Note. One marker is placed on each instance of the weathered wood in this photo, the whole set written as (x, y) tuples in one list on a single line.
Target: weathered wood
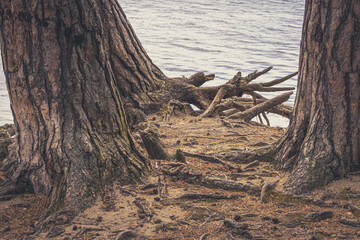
[(239, 85), (219, 96), (198, 79), (236, 104), (248, 114)]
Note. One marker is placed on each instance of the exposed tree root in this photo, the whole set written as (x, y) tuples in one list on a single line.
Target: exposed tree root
[(209, 159), (265, 154), (192, 176), (194, 196)]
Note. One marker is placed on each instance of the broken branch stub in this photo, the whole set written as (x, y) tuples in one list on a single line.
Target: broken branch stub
[(153, 145)]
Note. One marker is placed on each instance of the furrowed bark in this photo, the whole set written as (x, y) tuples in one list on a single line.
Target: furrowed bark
[(323, 142), (71, 131)]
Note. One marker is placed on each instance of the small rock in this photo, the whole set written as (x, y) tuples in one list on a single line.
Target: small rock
[(238, 218), (6, 229), (231, 224), (126, 235), (266, 218), (62, 219), (275, 221), (179, 156), (191, 143), (354, 209), (154, 191), (274, 228), (75, 228), (157, 199), (157, 221), (55, 231), (319, 216), (328, 196), (99, 219), (142, 216)]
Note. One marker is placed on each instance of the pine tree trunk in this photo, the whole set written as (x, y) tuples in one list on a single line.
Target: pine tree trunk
[(323, 140), (63, 70)]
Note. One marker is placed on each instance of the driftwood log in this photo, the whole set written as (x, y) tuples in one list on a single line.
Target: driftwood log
[(228, 99)]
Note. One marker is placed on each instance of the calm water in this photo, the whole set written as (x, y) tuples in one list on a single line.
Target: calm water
[(214, 36)]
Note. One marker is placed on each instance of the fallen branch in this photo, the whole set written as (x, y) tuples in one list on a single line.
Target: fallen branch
[(256, 110), (219, 96), (280, 80), (233, 105)]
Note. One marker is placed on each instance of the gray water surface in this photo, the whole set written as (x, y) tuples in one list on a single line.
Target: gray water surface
[(214, 36)]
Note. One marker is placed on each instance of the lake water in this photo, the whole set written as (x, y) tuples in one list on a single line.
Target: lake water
[(214, 36)]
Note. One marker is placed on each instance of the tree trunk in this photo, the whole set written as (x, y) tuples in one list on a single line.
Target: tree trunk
[(323, 140), (69, 65), (63, 68)]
